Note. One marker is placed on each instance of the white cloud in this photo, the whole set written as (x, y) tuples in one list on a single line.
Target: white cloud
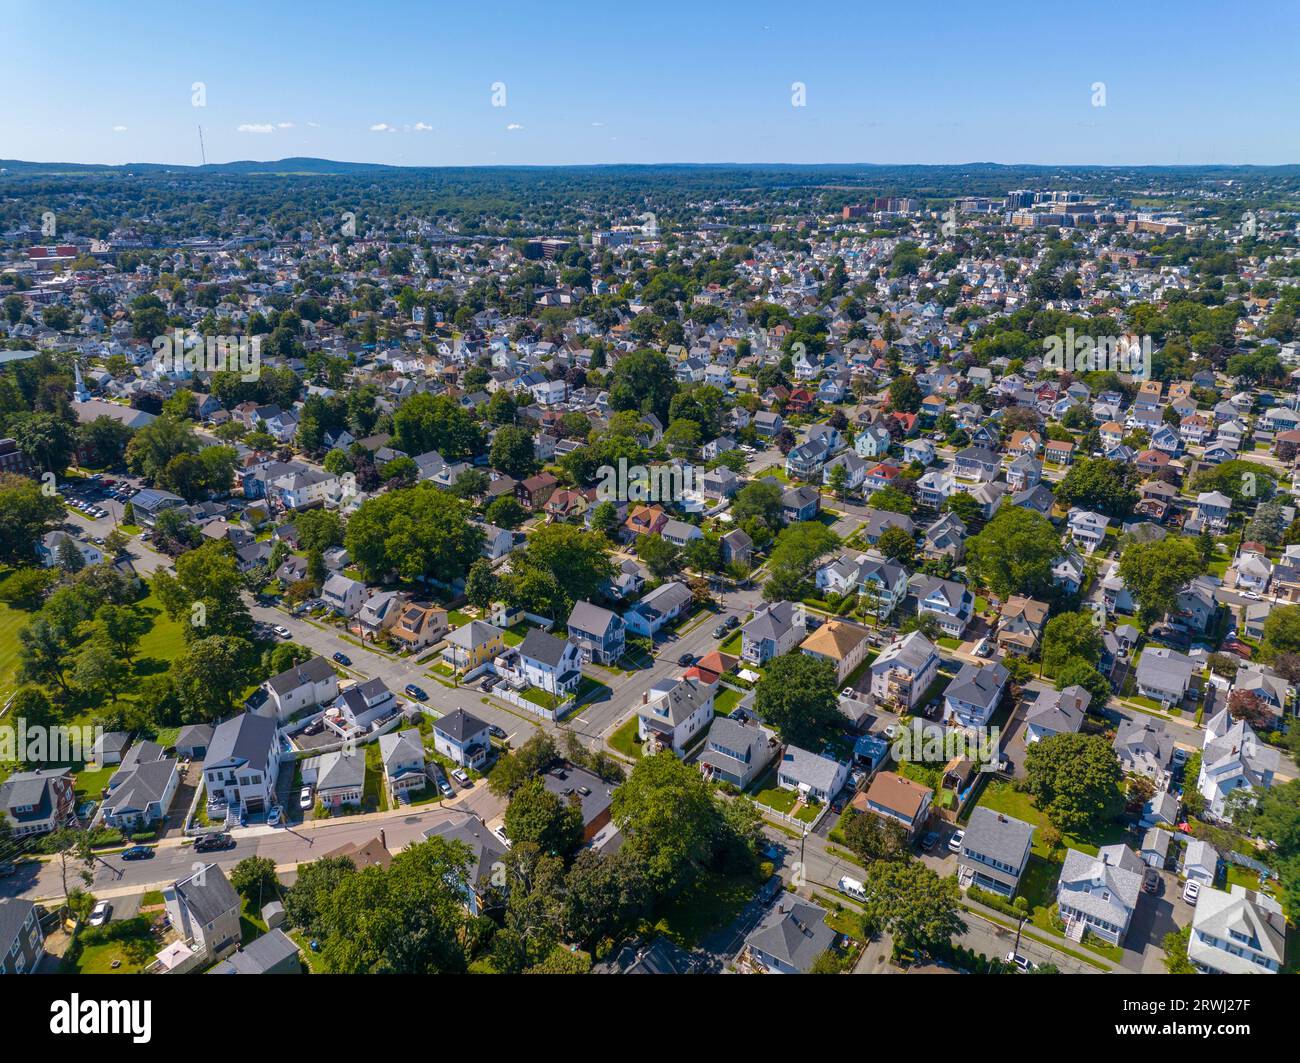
[(313, 125), (382, 127), (256, 127), (597, 124), (513, 126), (284, 125), (119, 129), (422, 127)]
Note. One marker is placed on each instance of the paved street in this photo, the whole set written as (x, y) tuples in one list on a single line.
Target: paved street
[(286, 846)]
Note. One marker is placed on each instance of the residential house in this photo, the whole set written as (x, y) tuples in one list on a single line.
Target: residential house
[(659, 608), (1144, 747), (22, 943), (737, 752), (811, 775), (949, 602), (898, 798), (674, 711), (789, 938), (972, 697), (994, 851), (36, 802), (344, 595), (473, 645), (402, 756), (487, 854), (1098, 894), (304, 686), (204, 911), (543, 661), (841, 643), (1020, 625), (1164, 674), (598, 633), (904, 671), (1238, 931), (1056, 712), (1233, 758), (418, 626), (339, 778), (772, 631), (462, 738), (242, 765)]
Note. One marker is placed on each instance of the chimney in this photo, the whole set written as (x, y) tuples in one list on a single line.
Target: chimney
[(645, 698)]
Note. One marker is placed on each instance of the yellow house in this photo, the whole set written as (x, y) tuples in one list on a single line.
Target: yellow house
[(844, 645), (473, 645)]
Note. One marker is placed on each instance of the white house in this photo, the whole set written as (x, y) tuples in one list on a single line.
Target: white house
[(1237, 932), (463, 738), (304, 686), (811, 774), (1233, 758), (1098, 894), (242, 765), (344, 595), (904, 671), (674, 711)]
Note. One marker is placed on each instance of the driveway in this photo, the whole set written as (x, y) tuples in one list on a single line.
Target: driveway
[(1155, 916)]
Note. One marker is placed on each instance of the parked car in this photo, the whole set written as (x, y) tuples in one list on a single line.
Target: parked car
[(276, 817), (304, 798), (1191, 891), (488, 683), (1151, 881), (99, 915), (497, 732), (461, 777), (848, 692), (686, 660), (343, 659), (137, 852), (720, 631), (412, 691), (445, 787), (282, 631), (929, 840), (851, 887), (955, 839), (213, 843), (1020, 961)]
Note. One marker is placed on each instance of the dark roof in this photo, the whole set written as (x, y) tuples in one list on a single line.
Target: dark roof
[(538, 645), (13, 914), (246, 738), (208, 894), (268, 953), (459, 725)]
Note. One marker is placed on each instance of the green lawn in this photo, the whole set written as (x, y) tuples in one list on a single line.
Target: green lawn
[(774, 796), (732, 643), (624, 739), (1002, 797), (726, 700), (11, 620), (90, 784), (129, 942)]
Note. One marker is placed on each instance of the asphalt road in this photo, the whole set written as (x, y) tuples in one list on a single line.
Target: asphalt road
[(114, 877)]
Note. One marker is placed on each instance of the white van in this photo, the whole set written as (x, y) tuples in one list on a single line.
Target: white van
[(851, 887)]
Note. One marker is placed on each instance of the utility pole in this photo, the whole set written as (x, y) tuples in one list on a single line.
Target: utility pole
[(202, 151)]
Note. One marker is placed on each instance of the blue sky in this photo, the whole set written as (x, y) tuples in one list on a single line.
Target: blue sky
[(708, 81)]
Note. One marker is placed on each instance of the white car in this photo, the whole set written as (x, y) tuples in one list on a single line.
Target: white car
[(848, 692), (955, 839), (304, 798), (282, 631), (99, 914), (1191, 891), (1019, 961), (1252, 595), (460, 776)]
